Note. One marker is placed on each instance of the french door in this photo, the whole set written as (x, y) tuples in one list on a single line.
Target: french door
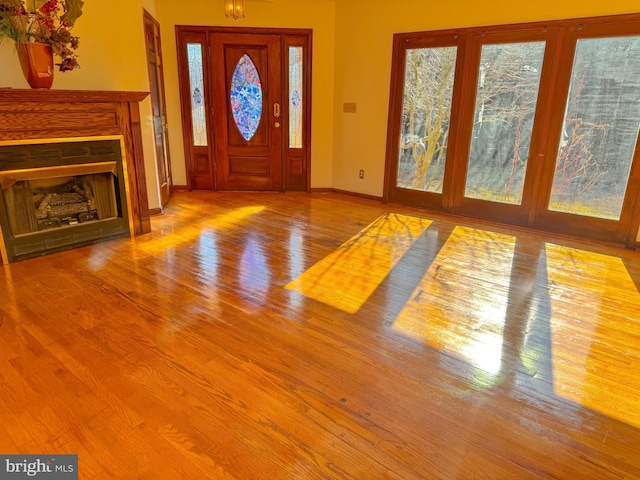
[(500, 139), (246, 107), (533, 125), (592, 159)]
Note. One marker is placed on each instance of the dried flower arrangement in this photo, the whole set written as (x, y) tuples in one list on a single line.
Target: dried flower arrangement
[(43, 21)]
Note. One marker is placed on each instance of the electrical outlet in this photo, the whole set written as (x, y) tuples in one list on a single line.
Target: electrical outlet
[(361, 174)]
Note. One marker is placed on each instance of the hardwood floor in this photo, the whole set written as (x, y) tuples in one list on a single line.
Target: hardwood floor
[(294, 336)]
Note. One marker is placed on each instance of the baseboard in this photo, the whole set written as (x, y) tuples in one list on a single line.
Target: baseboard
[(356, 194), (346, 192), (155, 211), (183, 188)]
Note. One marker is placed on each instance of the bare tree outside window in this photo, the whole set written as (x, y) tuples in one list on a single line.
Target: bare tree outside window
[(506, 98), (426, 112), (530, 124), (505, 106), (600, 129)]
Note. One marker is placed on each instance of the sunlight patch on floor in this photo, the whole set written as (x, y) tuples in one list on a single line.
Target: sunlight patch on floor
[(596, 350), (346, 278), (185, 234), (461, 302)]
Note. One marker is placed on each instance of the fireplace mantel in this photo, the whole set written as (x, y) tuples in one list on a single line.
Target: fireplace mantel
[(57, 114)]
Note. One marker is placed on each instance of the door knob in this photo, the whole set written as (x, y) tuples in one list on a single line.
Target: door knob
[(277, 124)]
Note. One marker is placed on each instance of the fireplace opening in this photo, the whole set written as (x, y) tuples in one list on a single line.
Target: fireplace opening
[(68, 203), (56, 202), (64, 195)]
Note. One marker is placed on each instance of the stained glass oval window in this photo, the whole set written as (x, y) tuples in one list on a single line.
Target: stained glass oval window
[(246, 97)]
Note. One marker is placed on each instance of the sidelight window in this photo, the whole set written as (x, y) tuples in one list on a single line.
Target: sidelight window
[(295, 96), (196, 80)]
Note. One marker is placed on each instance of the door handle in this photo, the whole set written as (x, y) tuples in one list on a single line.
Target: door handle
[(276, 110)]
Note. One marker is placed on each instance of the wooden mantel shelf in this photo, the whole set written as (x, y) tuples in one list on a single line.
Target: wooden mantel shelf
[(27, 114), (65, 96)]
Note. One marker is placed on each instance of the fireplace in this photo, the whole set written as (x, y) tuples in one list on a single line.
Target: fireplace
[(58, 195), (72, 169)]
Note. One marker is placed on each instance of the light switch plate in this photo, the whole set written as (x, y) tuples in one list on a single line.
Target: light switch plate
[(349, 107)]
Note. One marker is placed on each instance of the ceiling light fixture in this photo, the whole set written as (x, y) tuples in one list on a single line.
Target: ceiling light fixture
[(234, 9)]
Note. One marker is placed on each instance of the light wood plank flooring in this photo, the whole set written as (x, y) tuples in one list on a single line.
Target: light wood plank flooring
[(294, 336)]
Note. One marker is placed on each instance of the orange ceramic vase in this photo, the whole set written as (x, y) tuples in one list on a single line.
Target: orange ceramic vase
[(36, 60)]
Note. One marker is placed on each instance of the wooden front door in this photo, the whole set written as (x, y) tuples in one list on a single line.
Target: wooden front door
[(247, 120), (158, 104)]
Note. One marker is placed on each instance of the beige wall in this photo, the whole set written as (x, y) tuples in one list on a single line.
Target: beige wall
[(150, 6), (316, 14), (364, 31), (112, 57)]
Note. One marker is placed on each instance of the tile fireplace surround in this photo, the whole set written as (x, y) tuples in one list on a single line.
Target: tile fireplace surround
[(69, 118)]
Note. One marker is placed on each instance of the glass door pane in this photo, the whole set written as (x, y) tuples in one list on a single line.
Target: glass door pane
[(295, 96), (196, 83), (600, 129), (426, 113), (246, 97), (505, 106)]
